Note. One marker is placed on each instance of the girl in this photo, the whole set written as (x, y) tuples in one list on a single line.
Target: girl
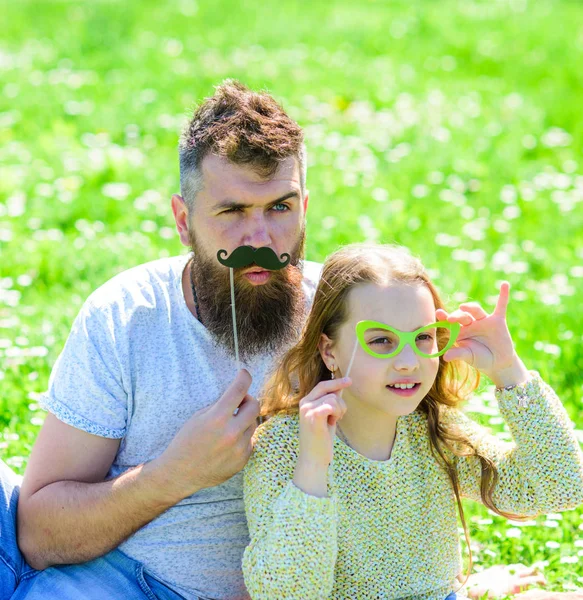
[(355, 496)]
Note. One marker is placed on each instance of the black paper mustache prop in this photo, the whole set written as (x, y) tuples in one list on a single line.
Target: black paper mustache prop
[(244, 256)]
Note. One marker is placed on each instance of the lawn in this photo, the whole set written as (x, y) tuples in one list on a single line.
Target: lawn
[(451, 127)]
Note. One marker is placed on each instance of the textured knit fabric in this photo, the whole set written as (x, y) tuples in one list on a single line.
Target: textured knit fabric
[(388, 529), (136, 366)]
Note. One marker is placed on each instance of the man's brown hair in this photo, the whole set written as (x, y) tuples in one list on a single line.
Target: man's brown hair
[(246, 128)]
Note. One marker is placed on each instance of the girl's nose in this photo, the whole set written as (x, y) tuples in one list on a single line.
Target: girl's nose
[(406, 360)]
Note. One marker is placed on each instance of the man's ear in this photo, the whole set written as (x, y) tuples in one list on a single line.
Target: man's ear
[(306, 198), (325, 346), (180, 211)]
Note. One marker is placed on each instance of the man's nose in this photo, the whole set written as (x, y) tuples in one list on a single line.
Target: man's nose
[(406, 360), (257, 234)]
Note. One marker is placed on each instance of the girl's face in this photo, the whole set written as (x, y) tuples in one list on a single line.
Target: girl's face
[(404, 307)]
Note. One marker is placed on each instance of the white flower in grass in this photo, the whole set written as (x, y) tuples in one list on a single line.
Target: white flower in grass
[(513, 532), (511, 212), (435, 177), (508, 194), (553, 350), (420, 191), (556, 137), (117, 191), (522, 523), (444, 239), (501, 226), (551, 524), (380, 195)]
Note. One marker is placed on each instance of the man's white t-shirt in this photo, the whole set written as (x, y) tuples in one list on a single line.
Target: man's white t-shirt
[(135, 367)]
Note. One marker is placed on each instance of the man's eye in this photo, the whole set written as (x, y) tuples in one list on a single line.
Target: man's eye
[(234, 210)]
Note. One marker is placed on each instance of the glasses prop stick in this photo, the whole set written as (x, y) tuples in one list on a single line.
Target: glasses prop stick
[(350, 363), (245, 256)]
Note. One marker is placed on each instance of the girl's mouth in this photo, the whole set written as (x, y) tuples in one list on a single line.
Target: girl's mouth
[(404, 392)]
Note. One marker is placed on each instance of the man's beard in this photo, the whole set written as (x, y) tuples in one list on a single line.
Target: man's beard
[(269, 316)]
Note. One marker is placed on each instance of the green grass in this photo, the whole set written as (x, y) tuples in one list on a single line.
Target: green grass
[(450, 127)]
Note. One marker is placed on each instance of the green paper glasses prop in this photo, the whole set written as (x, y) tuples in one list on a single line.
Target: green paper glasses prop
[(242, 257), (387, 341)]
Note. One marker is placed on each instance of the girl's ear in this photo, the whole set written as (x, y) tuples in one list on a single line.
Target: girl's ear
[(325, 346)]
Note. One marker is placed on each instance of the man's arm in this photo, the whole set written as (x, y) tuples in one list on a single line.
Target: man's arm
[(67, 514)]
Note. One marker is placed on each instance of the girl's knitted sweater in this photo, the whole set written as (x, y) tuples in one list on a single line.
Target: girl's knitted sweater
[(388, 529)]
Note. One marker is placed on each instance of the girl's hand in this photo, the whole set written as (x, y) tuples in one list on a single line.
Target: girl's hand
[(484, 341), (319, 412)]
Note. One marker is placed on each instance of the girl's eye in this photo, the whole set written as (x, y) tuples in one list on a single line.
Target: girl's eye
[(423, 337), (387, 342), (425, 341)]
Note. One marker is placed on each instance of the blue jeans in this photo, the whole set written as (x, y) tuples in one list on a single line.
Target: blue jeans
[(13, 567), (112, 576)]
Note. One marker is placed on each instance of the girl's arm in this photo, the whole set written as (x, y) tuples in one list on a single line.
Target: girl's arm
[(293, 534), (542, 470)]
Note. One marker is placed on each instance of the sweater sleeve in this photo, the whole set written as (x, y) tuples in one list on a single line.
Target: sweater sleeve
[(541, 471), (293, 544)]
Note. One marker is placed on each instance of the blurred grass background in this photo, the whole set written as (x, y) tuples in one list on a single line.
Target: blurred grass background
[(452, 127)]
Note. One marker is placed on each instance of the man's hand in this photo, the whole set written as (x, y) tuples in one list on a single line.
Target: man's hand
[(214, 443), (502, 580), (539, 594), (68, 514)]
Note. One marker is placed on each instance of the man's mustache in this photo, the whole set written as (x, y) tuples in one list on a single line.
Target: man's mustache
[(243, 256)]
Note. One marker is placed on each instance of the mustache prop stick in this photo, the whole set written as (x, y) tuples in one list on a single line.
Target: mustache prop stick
[(242, 257)]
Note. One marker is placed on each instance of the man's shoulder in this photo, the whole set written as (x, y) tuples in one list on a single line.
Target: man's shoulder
[(312, 271), (143, 285)]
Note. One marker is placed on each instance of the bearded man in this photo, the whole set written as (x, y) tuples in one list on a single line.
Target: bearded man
[(133, 488)]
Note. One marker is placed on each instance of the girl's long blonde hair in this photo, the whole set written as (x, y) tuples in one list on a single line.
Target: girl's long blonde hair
[(302, 366)]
